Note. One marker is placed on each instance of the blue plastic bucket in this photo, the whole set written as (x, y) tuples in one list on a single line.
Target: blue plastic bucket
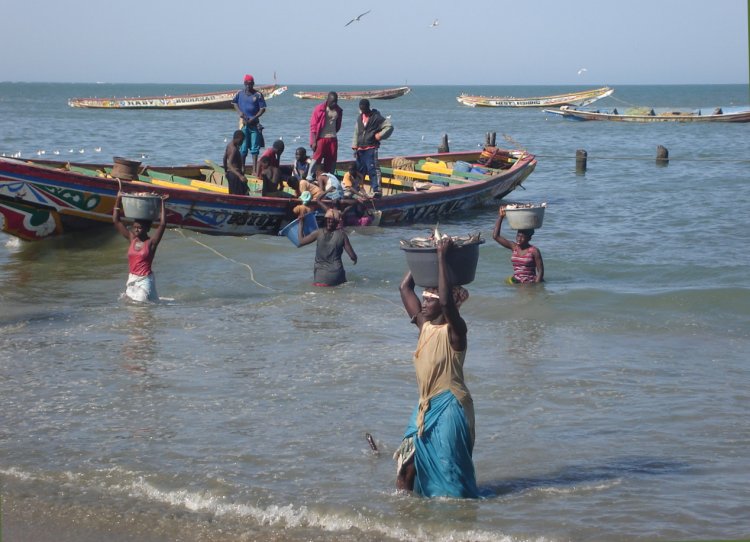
[(461, 167), (291, 230)]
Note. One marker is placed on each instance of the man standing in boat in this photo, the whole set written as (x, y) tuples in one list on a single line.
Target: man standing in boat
[(371, 128), (251, 105), (325, 122), (234, 165)]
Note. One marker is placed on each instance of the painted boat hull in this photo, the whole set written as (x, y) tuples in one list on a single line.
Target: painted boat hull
[(43, 198), (580, 98), (670, 116), (209, 100), (384, 94)]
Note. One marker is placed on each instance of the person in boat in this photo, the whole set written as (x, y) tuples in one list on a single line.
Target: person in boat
[(353, 183), (331, 243), (302, 164), (272, 182), (304, 207), (370, 129), (331, 186), (435, 455), (272, 158), (325, 122), (251, 105), (141, 285), (528, 266), (234, 165)]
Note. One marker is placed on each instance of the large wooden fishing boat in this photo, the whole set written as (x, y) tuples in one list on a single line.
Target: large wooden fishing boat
[(646, 114), (581, 98), (208, 100), (39, 199), (378, 94)]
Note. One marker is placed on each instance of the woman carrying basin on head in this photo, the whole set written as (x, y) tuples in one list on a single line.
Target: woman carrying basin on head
[(141, 285)]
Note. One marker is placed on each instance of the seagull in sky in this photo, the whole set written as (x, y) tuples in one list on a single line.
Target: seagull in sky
[(434, 23), (582, 70), (358, 17)]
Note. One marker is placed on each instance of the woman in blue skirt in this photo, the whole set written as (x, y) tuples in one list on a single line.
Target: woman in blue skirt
[(434, 458)]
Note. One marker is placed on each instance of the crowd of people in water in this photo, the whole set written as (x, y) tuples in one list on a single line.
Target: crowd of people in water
[(435, 455)]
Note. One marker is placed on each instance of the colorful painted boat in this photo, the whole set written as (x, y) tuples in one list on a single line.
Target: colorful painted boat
[(208, 100), (378, 94), (644, 114), (580, 98), (39, 199)]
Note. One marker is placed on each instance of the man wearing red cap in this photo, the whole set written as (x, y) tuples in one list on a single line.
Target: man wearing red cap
[(251, 105)]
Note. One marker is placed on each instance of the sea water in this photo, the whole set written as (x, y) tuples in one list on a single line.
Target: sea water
[(611, 402)]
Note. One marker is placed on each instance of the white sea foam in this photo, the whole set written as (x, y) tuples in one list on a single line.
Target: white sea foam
[(293, 516)]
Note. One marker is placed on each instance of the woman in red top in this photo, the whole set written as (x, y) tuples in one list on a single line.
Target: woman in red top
[(526, 258), (141, 285)]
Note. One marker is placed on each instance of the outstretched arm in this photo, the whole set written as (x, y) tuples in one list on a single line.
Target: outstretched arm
[(119, 226), (456, 325), (410, 300), (159, 233), (496, 233), (305, 239)]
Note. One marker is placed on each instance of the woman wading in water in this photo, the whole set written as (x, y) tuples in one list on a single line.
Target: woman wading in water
[(141, 285), (435, 456)]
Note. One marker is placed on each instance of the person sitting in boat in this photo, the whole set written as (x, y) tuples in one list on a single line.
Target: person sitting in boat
[(271, 179), (353, 183), (332, 241), (301, 166), (330, 185), (141, 285), (526, 259), (234, 165)]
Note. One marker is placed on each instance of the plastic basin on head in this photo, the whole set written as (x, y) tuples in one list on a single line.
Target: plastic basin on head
[(525, 219), (462, 264), (141, 207)]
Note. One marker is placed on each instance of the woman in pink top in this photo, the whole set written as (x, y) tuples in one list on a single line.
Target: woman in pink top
[(526, 258), (141, 285)]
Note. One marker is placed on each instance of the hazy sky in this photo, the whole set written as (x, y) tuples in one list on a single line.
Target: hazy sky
[(492, 42)]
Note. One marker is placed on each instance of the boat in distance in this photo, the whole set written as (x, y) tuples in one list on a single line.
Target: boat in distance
[(377, 94), (645, 114), (207, 100), (40, 198), (580, 98)]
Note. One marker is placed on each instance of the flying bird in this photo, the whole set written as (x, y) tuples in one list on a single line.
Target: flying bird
[(582, 70), (434, 23), (358, 17)]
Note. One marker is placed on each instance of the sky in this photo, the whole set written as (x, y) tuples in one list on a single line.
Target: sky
[(482, 42)]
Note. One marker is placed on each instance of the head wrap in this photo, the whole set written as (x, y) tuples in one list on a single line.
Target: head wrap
[(249, 79), (460, 294), (334, 214)]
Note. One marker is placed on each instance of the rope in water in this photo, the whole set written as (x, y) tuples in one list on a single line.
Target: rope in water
[(252, 273)]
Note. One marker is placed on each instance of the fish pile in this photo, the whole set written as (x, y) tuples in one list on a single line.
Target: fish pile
[(431, 241)]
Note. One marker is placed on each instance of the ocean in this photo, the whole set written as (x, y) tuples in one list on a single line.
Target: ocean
[(611, 401)]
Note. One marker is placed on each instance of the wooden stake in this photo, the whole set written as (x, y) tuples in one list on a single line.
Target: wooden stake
[(662, 156), (581, 157)]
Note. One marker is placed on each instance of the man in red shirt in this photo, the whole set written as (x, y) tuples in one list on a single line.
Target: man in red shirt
[(325, 122)]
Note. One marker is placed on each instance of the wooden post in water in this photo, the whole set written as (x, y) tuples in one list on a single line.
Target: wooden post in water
[(662, 156), (489, 137), (581, 157), (444, 144)]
